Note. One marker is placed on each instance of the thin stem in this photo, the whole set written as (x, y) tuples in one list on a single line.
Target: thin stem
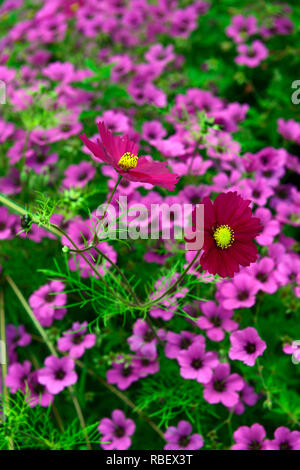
[(30, 313), (116, 392), (51, 349), (124, 398), (59, 232), (111, 196), (95, 240), (23, 160), (121, 274), (4, 364), (91, 266), (152, 328), (21, 211), (53, 406), (173, 286), (80, 416)]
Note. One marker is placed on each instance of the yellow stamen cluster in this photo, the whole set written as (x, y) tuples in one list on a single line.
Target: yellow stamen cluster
[(128, 161), (74, 7), (224, 236)]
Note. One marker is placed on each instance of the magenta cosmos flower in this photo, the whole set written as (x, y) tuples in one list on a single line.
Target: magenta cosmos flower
[(229, 230), (252, 438), (116, 431), (76, 341), (246, 346), (196, 363), (57, 374), (284, 440), (181, 437), (223, 387), (121, 153)]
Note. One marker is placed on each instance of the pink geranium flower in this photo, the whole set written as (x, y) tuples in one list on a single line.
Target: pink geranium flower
[(250, 438), (246, 346), (57, 374), (116, 432), (181, 437)]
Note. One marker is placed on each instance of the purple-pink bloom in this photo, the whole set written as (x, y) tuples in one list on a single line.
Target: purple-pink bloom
[(263, 272), (57, 374), (37, 394), (215, 321), (143, 336), (181, 437), (47, 302), (250, 438), (75, 341), (284, 439), (252, 55), (78, 175), (223, 387), (246, 396), (241, 27), (116, 431), (239, 292), (195, 363), (17, 336), (17, 376), (271, 227), (246, 346), (122, 373), (178, 342)]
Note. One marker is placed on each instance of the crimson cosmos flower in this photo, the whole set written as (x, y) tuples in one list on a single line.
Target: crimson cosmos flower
[(121, 154), (229, 230)]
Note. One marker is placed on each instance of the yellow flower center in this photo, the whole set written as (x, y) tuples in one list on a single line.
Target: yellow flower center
[(74, 7), (128, 161), (224, 236)]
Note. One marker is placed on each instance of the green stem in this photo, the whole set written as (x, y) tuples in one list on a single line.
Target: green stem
[(121, 274), (111, 196), (51, 349), (173, 287), (21, 211), (59, 232), (92, 267), (124, 398), (4, 364), (27, 308)]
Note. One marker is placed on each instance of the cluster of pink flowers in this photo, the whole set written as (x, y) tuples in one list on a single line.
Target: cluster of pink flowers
[(242, 28), (40, 385), (254, 438)]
